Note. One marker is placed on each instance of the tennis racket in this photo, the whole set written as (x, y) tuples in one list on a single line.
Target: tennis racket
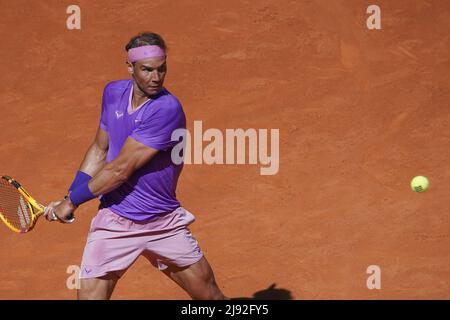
[(18, 210)]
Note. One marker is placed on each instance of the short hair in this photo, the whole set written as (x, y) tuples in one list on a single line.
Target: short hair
[(146, 39)]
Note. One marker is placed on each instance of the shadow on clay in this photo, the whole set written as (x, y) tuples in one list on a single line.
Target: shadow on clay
[(271, 293)]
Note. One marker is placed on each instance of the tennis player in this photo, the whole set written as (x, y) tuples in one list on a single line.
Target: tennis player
[(129, 166)]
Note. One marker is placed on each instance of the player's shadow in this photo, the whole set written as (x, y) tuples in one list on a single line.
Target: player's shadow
[(271, 293)]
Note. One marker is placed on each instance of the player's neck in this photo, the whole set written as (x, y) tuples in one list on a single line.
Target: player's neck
[(137, 101), (138, 98)]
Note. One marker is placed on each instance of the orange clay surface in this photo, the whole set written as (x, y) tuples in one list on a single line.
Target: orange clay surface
[(360, 112)]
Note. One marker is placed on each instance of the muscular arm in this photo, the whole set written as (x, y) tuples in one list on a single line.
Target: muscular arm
[(155, 130), (94, 160), (132, 157)]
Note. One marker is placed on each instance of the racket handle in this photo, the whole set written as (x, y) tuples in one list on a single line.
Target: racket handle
[(70, 217)]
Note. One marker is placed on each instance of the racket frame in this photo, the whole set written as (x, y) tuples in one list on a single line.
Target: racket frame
[(35, 207)]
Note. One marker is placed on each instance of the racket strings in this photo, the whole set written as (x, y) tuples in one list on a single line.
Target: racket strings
[(14, 207)]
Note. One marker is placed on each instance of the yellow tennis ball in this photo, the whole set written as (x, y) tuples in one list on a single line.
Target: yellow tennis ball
[(420, 184)]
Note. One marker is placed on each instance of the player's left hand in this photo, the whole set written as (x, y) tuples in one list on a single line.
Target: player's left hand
[(48, 212), (63, 211)]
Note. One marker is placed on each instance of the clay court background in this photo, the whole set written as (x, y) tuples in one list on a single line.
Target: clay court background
[(360, 113)]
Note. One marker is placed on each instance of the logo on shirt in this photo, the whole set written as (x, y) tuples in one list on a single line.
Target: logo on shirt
[(119, 114)]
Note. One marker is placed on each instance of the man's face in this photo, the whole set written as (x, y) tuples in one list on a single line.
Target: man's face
[(149, 75)]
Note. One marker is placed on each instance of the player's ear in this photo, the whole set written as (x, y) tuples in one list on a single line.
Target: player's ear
[(130, 67)]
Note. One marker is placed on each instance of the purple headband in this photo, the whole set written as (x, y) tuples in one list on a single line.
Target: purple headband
[(145, 52)]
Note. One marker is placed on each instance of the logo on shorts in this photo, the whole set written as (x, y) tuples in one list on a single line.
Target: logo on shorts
[(119, 114), (87, 270)]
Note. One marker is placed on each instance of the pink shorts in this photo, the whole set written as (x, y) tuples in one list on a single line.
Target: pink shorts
[(115, 242)]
